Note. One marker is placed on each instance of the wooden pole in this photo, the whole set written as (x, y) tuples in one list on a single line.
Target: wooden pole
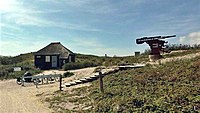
[(36, 82), (42, 80), (22, 81), (47, 80), (60, 82), (101, 82)]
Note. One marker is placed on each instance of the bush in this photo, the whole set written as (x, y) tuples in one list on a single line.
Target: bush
[(183, 46), (7, 71), (78, 65), (68, 74)]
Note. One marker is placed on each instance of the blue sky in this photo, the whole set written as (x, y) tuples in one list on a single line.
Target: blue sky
[(95, 26)]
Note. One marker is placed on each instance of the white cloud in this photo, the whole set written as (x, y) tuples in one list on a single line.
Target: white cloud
[(15, 13), (9, 26), (87, 42), (192, 38), (19, 45), (89, 6), (7, 6), (72, 26), (18, 6)]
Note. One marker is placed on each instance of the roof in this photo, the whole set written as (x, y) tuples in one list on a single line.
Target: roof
[(55, 48)]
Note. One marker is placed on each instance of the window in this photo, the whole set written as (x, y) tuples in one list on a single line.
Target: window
[(38, 56), (47, 58)]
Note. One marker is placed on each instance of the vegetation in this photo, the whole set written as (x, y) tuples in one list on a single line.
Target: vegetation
[(171, 87), (8, 60), (173, 47), (7, 64), (68, 74), (25, 61), (110, 61), (83, 61), (181, 53), (78, 65), (7, 71)]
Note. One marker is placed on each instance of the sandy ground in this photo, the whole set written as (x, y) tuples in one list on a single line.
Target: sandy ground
[(162, 61), (17, 99)]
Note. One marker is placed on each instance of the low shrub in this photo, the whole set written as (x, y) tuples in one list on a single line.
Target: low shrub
[(68, 74), (78, 65)]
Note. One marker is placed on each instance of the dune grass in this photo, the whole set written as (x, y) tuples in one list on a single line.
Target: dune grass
[(171, 87)]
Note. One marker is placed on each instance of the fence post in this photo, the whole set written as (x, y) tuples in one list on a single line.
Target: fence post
[(60, 82), (22, 81), (42, 80), (101, 82), (36, 83)]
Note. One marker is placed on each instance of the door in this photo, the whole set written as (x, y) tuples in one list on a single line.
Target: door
[(70, 59), (54, 61)]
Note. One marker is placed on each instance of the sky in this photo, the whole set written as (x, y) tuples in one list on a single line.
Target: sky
[(95, 27)]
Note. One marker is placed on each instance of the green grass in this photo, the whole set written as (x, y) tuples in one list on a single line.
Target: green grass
[(171, 87)]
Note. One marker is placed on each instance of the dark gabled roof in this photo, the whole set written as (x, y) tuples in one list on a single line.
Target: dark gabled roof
[(55, 48)]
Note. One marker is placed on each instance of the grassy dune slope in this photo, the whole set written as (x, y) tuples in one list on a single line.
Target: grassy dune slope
[(171, 87), (25, 61)]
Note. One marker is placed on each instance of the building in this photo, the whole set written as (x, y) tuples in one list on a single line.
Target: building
[(53, 56), (137, 53)]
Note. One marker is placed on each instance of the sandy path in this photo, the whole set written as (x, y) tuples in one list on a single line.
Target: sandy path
[(163, 61), (17, 99)]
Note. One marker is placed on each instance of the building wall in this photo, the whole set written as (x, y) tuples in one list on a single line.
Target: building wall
[(67, 60), (40, 61), (71, 58)]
